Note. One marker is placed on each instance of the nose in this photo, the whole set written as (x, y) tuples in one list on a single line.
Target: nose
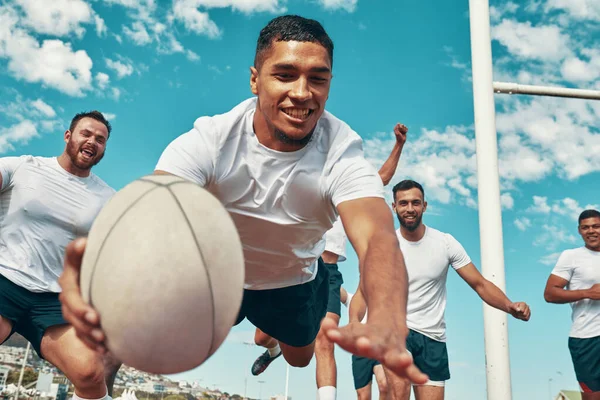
[(301, 90)]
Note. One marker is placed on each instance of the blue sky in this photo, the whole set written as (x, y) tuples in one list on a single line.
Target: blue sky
[(155, 66)]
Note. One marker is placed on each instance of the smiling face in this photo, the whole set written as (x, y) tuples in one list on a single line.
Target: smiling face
[(86, 143), (292, 85), (409, 206), (589, 229)]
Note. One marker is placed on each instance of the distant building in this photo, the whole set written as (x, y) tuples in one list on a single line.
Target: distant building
[(3, 376)]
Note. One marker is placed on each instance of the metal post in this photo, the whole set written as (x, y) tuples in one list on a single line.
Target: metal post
[(22, 371), (490, 218), (516, 88), (287, 380)]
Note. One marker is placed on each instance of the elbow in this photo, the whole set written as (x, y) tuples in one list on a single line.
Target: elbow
[(548, 296)]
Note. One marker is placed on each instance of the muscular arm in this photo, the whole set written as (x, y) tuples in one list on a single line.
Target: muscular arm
[(358, 307), (388, 169), (555, 291), (488, 292), (370, 228)]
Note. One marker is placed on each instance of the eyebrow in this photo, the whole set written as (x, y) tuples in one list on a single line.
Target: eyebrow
[(286, 66)]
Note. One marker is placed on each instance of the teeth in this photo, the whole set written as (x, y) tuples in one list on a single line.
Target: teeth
[(297, 112)]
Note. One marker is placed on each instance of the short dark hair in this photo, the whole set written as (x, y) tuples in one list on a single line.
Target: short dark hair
[(407, 184), (291, 28), (97, 115), (589, 214)]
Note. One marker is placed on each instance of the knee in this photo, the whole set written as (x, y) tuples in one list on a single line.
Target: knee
[(262, 339), (323, 346), (299, 361), (87, 374)]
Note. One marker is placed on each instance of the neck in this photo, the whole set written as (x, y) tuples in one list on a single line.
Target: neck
[(413, 236), (65, 162), (266, 135), (597, 248)]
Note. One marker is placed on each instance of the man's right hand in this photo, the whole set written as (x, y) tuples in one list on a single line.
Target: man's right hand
[(76, 311), (593, 293)]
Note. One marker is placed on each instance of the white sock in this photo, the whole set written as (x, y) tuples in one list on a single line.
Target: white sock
[(106, 397), (326, 393), (274, 351)]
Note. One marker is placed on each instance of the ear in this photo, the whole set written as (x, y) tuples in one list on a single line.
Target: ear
[(394, 206), (424, 206), (254, 80), (67, 135)]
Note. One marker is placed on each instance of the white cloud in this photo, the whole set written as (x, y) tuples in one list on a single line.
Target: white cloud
[(540, 205), (100, 26), (553, 236), (44, 108), (550, 259), (578, 9), (116, 93), (122, 67), (499, 11), (19, 133), (50, 125), (192, 56), (348, 5), (102, 80), (575, 69), (522, 223), (507, 201), (186, 12), (53, 63), (110, 116), (567, 207), (544, 42), (118, 38), (58, 17), (137, 34)]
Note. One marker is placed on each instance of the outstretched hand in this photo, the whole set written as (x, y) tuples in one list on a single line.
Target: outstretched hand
[(76, 311), (378, 341)]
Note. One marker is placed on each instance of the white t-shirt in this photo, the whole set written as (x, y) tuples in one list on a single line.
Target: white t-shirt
[(42, 209), (335, 240), (427, 263), (581, 267), (282, 203)]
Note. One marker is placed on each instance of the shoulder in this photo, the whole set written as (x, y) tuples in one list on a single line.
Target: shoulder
[(334, 132), (572, 254), (221, 125), (102, 188)]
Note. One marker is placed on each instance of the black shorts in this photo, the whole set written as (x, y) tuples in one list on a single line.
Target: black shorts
[(585, 354), (293, 314), (429, 355), (336, 280), (31, 313), (362, 371)]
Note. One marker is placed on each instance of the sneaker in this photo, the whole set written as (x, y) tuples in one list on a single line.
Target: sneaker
[(262, 362)]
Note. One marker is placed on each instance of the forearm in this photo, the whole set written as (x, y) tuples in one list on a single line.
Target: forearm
[(388, 169), (561, 296), (493, 296), (357, 308), (384, 280)]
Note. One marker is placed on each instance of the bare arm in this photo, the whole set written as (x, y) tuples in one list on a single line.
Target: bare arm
[(370, 228), (492, 294), (358, 307), (555, 291), (388, 169)]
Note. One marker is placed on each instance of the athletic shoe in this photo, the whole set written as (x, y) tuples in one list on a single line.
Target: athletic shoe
[(262, 362)]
